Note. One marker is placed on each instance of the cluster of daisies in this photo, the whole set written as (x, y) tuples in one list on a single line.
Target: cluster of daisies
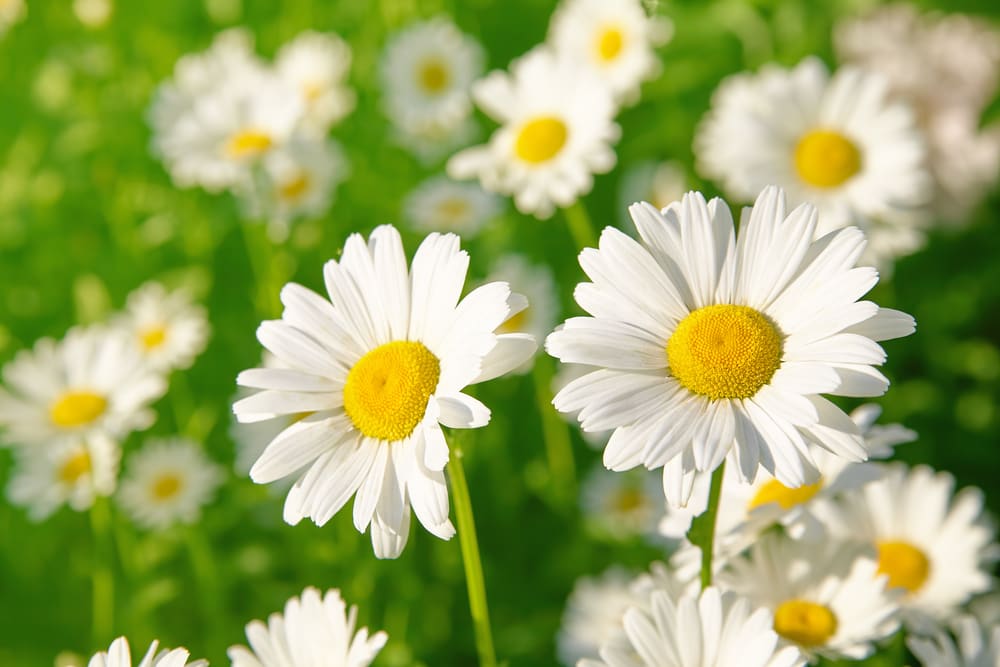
[(68, 406)]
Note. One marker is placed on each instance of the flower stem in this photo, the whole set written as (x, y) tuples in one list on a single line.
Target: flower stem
[(260, 255), (580, 226), (470, 558), (102, 577), (708, 546), (558, 447)]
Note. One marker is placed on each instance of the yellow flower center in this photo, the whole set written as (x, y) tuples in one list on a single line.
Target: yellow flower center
[(77, 408), (153, 337), (826, 159), (453, 209), (312, 90), (295, 187), (515, 323), (609, 43), (166, 487), (541, 139), (805, 623), (433, 76), (787, 497), (387, 389), (628, 500), (906, 565), (248, 143), (75, 467), (724, 351)]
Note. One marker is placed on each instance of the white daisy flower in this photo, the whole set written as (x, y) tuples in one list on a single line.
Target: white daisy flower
[(537, 284), (976, 646), (710, 629), (11, 12), (430, 146), (711, 344), (168, 328), (317, 64), (168, 482), (314, 631), (565, 374), (440, 204), (659, 183), (427, 70), (836, 142), (934, 546), (614, 39), (622, 506), (93, 382), (118, 655), (381, 365), (67, 473), (826, 601), (557, 131)]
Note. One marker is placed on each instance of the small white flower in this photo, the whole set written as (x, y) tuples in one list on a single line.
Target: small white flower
[(118, 655), (431, 145), (624, 505), (976, 646), (556, 132), (313, 632), (317, 64), (536, 283), (168, 328), (440, 204), (167, 482), (659, 183)]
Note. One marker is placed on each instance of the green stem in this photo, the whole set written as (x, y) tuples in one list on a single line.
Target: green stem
[(580, 226), (555, 431), (470, 558), (207, 579), (102, 577), (708, 548), (259, 254)]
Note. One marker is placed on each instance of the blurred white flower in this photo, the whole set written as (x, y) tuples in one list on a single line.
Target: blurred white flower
[(317, 64), (440, 204), (118, 655), (976, 646), (537, 284), (93, 13), (659, 183), (168, 328), (431, 145), (11, 11)]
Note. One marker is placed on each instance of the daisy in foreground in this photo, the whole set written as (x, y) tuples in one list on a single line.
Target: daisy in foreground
[(314, 631), (711, 345), (377, 368), (118, 655)]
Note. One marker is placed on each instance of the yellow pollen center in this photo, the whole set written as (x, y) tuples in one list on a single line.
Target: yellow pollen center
[(153, 337), (75, 467), (166, 487), (433, 76), (77, 408), (515, 323), (454, 209), (906, 565), (540, 139), (609, 44), (826, 159), (787, 497), (387, 389), (311, 91), (296, 187), (628, 500), (805, 623), (724, 351), (248, 143)]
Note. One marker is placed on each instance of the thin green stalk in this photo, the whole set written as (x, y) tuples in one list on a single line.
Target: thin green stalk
[(708, 546), (207, 578), (470, 558), (555, 431), (580, 226), (260, 256), (102, 576)]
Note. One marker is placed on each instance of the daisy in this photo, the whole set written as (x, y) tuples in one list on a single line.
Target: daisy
[(426, 71), (614, 39), (380, 365), (11, 12), (659, 183), (168, 482), (432, 144), (317, 64), (118, 655), (93, 382), (440, 204), (68, 473), (710, 629), (565, 374), (711, 345), (935, 546), (836, 142), (976, 646), (168, 328), (622, 506), (314, 631), (557, 131), (826, 601), (534, 281), (93, 13)]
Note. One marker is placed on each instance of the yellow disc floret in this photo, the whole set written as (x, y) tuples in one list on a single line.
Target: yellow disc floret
[(153, 337), (75, 467), (77, 408), (541, 139), (609, 44), (166, 486), (724, 351), (906, 565), (787, 497), (433, 76), (826, 159), (805, 623), (248, 143), (387, 389), (294, 188)]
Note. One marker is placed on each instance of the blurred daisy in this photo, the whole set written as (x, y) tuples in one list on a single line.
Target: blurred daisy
[(430, 145), (711, 629), (11, 12), (169, 329), (380, 369), (313, 631), (440, 204), (659, 183), (167, 482), (118, 655), (836, 142), (976, 646), (557, 131), (427, 70), (92, 382), (934, 546), (622, 506), (711, 345), (317, 64), (93, 13), (614, 39), (534, 281), (826, 601), (68, 473)]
